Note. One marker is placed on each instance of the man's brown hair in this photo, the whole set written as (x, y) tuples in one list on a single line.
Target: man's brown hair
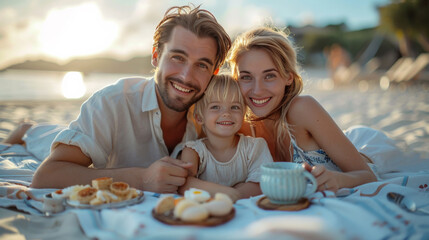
[(199, 21)]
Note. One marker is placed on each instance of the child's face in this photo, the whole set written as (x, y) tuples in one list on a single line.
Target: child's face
[(223, 118)]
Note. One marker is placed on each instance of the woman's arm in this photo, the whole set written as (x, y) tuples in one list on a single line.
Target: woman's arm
[(333, 180), (315, 129)]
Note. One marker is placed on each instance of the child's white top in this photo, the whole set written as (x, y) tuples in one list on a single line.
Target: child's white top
[(244, 166)]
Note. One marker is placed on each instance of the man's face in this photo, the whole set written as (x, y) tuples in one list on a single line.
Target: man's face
[(185, 68)]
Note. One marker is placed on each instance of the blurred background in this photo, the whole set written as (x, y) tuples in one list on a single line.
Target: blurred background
[(68, 49), (365, 61)]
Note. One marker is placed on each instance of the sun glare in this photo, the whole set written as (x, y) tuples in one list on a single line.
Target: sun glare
[(76, 31), (73, 86)]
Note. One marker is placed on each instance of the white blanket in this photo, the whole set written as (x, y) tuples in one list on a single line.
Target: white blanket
[(362, 212)]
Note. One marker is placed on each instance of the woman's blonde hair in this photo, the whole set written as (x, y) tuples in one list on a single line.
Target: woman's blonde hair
[(222, 87), (281, 50)]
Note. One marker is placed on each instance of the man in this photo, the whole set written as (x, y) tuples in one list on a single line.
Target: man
[(133, 130)]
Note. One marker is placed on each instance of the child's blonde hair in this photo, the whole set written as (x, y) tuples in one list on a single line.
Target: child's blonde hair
[(222, 87)]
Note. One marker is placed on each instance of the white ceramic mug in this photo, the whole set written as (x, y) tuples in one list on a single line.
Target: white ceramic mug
[(286, 182)]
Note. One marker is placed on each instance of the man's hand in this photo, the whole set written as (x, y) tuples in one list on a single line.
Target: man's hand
[(165, 175)]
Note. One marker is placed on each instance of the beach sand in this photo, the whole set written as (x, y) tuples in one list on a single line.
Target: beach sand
[(402, 113)]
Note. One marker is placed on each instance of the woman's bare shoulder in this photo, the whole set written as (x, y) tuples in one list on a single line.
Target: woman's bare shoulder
[(302, 106)]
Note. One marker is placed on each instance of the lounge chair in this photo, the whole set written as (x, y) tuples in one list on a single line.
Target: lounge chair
[(404, 70), (414, 69)]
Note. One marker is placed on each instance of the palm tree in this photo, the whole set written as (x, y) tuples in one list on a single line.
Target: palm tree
[(407, 20)]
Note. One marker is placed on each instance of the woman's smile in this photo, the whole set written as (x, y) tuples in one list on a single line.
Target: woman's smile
[(260, 102)]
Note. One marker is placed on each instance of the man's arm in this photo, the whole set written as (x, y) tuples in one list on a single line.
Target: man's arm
[(67, 165)]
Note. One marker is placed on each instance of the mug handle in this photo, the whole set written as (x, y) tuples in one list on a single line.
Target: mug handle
[(313, 186)]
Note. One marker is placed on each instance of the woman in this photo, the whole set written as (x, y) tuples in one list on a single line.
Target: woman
[(296, 128)]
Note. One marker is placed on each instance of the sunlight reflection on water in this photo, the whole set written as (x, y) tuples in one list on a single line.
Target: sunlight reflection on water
[(47, 85)]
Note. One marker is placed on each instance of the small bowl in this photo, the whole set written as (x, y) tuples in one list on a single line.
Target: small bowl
[(52, 205)]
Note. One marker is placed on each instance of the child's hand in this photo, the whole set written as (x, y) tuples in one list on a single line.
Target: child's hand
[(190, 182), (326, 179), (190, 156)]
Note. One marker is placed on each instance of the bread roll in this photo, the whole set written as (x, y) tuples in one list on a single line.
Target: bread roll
[(195, 213), (182, 205), (218, 208), (165, 205), (223, 197)]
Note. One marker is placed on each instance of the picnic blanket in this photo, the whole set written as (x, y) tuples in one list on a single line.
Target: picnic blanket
[(363, 212)]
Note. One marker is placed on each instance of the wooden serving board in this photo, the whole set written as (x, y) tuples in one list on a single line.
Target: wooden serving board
[(265, 204), (209, 222)]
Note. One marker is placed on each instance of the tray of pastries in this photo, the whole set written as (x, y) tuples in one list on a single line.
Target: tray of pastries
[(102, 193), (196, 208)]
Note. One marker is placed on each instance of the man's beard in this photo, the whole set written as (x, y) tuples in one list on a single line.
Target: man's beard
[(177, 103)]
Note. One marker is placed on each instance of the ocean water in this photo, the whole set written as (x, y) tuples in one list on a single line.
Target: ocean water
[(46, 85), (17, 85)]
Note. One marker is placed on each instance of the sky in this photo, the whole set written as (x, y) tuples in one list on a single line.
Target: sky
[(60, 30)]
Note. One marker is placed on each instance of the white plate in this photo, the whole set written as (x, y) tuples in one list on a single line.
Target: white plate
[(138, 199)]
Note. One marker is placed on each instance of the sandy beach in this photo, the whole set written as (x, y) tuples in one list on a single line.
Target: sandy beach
[(402, 113)]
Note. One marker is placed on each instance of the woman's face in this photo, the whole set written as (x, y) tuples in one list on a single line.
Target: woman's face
[(260, 81)]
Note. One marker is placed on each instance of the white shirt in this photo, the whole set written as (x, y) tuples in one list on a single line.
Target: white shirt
[(120, 126), (244, 166)]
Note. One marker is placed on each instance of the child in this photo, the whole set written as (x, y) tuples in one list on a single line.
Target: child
[(224, 157)]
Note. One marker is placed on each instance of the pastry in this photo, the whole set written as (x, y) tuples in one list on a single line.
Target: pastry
[(177, 200), (218, 208), (102, 183), (85, 195), (72, 191), (104, 196), (120, 189), (165, 205), (132, 193), (195, 213), (197, 195), (96, 201), (182, 205), (223, 197)]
